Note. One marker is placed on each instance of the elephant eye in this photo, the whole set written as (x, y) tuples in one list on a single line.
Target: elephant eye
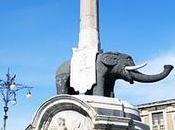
[(129, 58)]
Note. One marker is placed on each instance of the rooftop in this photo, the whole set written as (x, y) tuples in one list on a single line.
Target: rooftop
[(157, 103)]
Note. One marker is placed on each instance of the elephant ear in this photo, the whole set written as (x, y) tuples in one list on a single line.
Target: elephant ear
[(110, 58)]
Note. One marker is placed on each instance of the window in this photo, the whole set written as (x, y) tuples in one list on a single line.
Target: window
[(158, 121), (157, 118)]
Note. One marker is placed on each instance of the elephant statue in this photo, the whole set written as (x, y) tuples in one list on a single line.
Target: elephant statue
[(110, 66)]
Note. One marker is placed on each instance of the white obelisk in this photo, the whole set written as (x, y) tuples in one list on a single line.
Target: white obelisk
[(83, 71)]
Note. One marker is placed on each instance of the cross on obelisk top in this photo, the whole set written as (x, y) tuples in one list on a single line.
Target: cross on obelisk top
[(83, 71)]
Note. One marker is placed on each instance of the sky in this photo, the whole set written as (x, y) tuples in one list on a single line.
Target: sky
[(36, 36)]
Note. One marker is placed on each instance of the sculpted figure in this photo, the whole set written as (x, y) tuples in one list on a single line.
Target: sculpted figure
[(110, 66), (61, 124)]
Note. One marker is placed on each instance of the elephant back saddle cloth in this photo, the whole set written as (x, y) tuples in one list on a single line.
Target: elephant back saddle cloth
[(83, 70)]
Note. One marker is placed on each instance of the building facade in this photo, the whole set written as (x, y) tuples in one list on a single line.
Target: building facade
[(158, 115)]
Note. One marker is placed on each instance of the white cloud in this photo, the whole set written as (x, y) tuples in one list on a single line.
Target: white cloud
[(156, 64), (142, 92)]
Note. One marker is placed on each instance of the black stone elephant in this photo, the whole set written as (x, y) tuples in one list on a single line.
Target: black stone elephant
[(110, 66)]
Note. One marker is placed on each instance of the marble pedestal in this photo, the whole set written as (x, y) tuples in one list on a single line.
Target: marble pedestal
[(83, 112)]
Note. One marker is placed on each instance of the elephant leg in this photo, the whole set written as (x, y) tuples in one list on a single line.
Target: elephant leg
[(109, 87), (61, 84), (99, 88), (112, 94), (61, 90)]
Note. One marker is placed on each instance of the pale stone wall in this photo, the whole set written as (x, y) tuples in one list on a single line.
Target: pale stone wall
[(145, 119), (169, 121)]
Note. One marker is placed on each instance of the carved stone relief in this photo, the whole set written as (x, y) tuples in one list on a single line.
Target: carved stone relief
[(70, 120)]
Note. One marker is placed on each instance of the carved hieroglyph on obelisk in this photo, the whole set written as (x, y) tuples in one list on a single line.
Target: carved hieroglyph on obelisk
[(83, 71)]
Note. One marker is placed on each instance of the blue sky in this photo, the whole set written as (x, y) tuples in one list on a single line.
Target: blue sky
[(36, 36)]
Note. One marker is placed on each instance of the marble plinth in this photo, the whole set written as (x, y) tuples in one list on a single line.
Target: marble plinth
[(83, 112)]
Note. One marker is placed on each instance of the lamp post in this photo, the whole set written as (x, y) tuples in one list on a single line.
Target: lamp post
[(8, 90)]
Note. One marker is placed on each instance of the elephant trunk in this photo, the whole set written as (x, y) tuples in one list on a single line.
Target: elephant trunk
[(137, 76)]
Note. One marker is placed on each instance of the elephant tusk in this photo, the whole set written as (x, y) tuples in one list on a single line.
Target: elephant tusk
[(135, 67)]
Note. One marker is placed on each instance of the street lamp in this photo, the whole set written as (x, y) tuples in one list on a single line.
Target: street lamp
[(8, 89)]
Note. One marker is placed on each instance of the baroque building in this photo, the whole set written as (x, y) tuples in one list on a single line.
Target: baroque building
[(158, 115)]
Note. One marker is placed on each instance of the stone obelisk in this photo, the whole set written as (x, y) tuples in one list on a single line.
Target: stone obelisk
[(83, 71), (89, 25)]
